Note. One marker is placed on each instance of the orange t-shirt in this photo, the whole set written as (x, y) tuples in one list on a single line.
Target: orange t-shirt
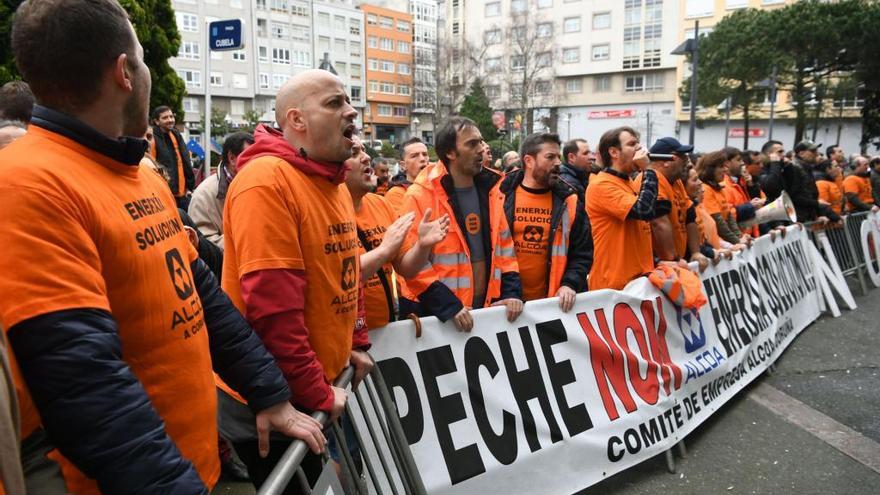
[(830, 192), (860, 186), (373, 220), (677, 196), (622, 246), (531, 240), (81, 230), (394, 198), (715, 201), (277, 217), (708, 227)]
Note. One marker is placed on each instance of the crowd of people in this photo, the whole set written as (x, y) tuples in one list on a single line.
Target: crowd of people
[(156, 324)]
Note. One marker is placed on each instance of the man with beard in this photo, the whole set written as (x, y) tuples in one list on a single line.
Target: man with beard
[(619, 211), (415, 158), (801, 187), (116, 325), (857, 188), (380, 239), (475, 265), (551, 234), (577, 165), (169, 149), (382, 177)]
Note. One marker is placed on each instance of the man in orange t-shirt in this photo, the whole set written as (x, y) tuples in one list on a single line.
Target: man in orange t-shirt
[(380, 237), (551, 235), (857, 188), (116, 325), (619, 212)]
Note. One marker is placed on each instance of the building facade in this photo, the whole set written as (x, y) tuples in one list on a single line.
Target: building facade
[(282, 38), (389, 73)]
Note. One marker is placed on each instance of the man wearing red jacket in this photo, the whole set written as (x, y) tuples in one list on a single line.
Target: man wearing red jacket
[(291, 258)]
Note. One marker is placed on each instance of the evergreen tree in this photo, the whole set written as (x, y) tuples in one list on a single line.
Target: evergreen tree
[(477, 108)]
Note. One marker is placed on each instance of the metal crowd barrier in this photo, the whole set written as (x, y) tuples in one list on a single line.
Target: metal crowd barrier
[(845, 241), (372, 404)]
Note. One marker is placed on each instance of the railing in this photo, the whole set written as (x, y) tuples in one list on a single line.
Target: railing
[(844, 238), (370, 404)]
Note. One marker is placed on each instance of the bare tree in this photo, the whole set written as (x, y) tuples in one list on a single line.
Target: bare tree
[(458, 66)]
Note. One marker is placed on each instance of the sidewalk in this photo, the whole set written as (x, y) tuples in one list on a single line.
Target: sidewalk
[(774, 437)]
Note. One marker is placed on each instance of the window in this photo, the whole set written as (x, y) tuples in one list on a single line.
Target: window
[(355, 71), (736, 4), (516, 90), (300, 33), (543, 59), (264, 80), (190, 104), (633, 14), (236, 107), (518, 5), (299, 10), (631, 47), (699, 8), (403, 69), (372, 42), (403, 26), (355, 48), (279, 5), (239, 81), (602, 20), (545, 4), (279, 31), (238, 55), (262, 30), (192, 78), (355, 93), (371, 19), (571, 55), (383, 110), (301, 58), (574, 85), (517, 62), (339, 23), (386, 22), (386, 44), (188, 22), (278, 80), (386, 66), (403, 47), (386, 87), (324, 19), (654, 81), (261, 4), (493, 9), (491, 37), (403, 90), (518, 33), (373, 64), (571, 24), (341, 69), (189, 50), (493, 64), (850, 99), (374, 87), (340, 48), (644, 82), (354, 26), (601, 84), (263, 53), (493, 91), (543, 87), (323, 44), (400, 111), (217, 79), (281, 56), (601, 52), (544, 30)]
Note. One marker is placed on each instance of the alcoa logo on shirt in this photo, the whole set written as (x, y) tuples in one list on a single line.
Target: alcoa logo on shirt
[(349, 276), (180, 277)]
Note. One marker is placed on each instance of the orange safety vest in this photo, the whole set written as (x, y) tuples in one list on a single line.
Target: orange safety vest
[(450, 262), (559, 249)]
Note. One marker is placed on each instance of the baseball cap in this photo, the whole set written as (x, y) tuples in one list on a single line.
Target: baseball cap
[(670, 145), (806, 145)]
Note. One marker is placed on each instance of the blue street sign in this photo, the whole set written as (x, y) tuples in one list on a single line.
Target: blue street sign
[(226, 35)]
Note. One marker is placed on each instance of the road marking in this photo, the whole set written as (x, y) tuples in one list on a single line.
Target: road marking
[(836, 434)]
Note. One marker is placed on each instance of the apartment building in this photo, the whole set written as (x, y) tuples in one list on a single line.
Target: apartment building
[(389, 54), (283, 38), (593, 65), (841, 122)]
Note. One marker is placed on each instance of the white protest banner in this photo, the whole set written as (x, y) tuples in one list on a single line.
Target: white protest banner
[(561, 401)]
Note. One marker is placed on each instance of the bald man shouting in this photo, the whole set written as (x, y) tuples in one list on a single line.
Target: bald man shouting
[(292, 262)]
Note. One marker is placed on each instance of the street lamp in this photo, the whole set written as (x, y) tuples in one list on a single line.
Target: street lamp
[(566, 117), (692, 47), (415, 126)]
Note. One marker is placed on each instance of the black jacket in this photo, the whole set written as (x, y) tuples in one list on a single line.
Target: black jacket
[(771, 180), (166, 157), (798, 181), (580, 241), (92, 406), (577, 179)]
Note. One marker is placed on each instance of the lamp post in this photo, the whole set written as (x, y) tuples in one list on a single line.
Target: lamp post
[(566, 117), (692, 47), (415, 126)]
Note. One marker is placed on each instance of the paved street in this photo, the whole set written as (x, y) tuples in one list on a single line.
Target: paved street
[(811, 428)]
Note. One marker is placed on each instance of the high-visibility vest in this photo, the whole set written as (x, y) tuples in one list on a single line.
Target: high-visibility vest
[(450, 262), (559, 249)]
